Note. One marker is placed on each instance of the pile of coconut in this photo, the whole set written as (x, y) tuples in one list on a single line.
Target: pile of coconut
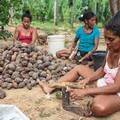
[(24, 66)]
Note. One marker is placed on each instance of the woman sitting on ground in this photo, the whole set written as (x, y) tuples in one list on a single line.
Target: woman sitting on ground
[(86, 38), (107, 93), (24, 33)]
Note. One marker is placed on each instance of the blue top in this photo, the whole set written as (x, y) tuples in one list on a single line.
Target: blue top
[(87, 40)]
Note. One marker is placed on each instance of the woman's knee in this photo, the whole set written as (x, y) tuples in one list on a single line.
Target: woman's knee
[(98, 108), (79, 67)]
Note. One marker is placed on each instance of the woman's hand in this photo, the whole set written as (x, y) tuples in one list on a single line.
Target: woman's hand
[(85, 57), (84, 82), (77, 94), (24, 44)]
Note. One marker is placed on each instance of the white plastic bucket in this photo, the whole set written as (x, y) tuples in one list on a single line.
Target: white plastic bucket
[(55, 43)]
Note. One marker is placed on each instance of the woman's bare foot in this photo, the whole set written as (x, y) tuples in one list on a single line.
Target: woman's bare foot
[(46, 89)]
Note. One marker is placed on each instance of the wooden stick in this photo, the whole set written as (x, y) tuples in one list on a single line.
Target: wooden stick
[(67, 84)]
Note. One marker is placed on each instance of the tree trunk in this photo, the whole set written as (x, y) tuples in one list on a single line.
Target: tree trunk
[(11, 13), (61, 12), (114, 6), (55, 12), (72, 7)]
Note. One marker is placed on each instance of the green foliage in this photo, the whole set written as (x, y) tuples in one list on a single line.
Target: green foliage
[(17, 7), (4, 34), (4, 12), (4, 18), (103, 11), (43, 10)]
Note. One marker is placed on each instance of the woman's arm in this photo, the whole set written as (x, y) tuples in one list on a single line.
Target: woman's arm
[(15, 36), (92, 51), (74, 43), (109, 89), (97, 75), (95, 47), (34, 36)]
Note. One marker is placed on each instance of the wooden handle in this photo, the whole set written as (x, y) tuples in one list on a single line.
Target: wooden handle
[(67, 84)]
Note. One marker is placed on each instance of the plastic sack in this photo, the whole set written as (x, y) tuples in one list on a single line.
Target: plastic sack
[(11, 112)]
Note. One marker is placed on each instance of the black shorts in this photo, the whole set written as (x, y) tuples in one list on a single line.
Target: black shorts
[(81, 54)]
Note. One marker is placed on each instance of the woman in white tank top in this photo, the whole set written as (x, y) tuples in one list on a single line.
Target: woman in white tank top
[(110, 74)]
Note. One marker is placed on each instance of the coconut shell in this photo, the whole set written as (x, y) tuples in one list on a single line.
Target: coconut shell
[(14, 49), (21, 85), (43, 74), (4, 54), (9, 86), (30, 65), (14, 56), (4, 85), (2, 94), (6, 76), (29, 86), (40, 66), (12, 66), (18, 80), (31, 73), (34, 56), (15, 75), (46, 64), (33, 83), (35, 76), (39, 61), (24, 63), (15, 85), (26, 81), (9, 80), (1, 63), (1, 82), (1, 69)]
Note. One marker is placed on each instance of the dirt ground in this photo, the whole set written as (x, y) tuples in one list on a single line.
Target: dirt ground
[(35, 105)]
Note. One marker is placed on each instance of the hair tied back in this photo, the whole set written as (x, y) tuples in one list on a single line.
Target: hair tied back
[(27, 12)]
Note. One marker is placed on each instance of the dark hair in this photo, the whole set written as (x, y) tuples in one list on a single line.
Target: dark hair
[(86, 15), (114, 24), (27, 14)]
